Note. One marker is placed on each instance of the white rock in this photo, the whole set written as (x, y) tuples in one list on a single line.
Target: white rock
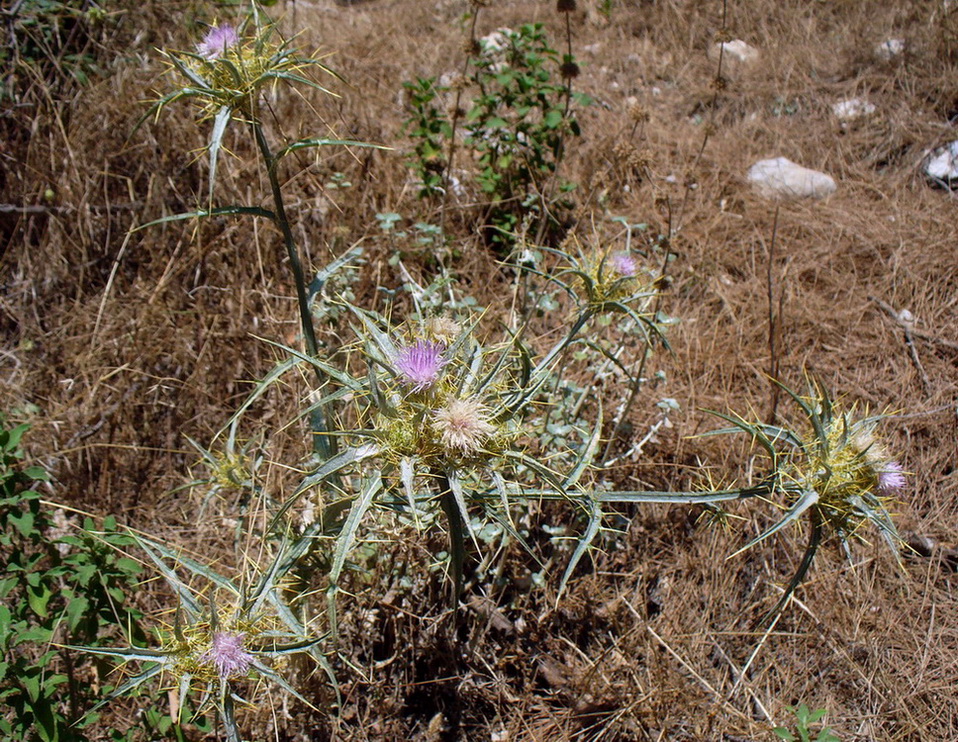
[(852, 108), (782, 178), (496, 41), (941, 166), (737, 53), (888, 50)]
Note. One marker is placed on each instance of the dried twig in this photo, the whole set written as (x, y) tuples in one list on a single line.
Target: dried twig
[(909, 332)]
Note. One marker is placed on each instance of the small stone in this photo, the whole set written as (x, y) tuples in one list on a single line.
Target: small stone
[(941, 166), (496, 41), (779, 177), (852, 108), (888, 50), (737, 53)]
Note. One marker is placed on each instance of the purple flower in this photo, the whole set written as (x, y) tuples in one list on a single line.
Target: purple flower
[(227, 654), (891, 478), (624, 264), (419, 364), (217, 40)]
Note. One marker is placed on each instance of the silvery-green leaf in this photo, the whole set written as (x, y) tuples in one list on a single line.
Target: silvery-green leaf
[(127, 686), (205, 213), (323, 142), (187, 601), (586, 452), (191, 564), (459, 496), (345, 541), (808, 498), (222, 118), (407, 473), (325, 470), (323, 275), (267, 672), (591, 531)]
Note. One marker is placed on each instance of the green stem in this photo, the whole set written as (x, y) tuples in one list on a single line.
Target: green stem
[(814, 540), (325, 445), (457, 534), (636, 385)]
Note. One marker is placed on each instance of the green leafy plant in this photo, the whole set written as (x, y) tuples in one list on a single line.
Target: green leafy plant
[(56, 586), (804, 718), (516, 125), (48, 41)]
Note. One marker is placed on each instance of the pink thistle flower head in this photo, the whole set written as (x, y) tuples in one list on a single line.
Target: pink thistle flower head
[(227, 655), (624, 264), (217, 40), (420, 364), (891, 479)]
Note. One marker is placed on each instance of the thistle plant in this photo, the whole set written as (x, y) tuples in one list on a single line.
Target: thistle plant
[(223, 635), (833, 469), (436, 426), (434, 407), (227, 75)]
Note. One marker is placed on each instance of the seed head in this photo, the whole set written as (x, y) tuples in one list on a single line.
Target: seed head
[(569, 70), (420, 364), (227, 655), (635, 110), (463, 425), (443, 329), (565, 6), (217, 40)]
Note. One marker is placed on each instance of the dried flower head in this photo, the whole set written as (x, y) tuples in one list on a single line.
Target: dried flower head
[(227, 654), (217, 41), (565, 6), (569, 70), (463, 425), (635, 110), (420, 364), (443, 329)]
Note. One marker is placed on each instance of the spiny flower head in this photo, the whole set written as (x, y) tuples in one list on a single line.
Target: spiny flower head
[(228, 68), (891, 479), (420, 364), (624, 264), (228, 655), (850, 470), (612, 277), (231, 470), (463, 425), (217, 41)]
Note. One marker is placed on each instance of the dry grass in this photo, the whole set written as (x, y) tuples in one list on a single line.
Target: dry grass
[(129, 342)]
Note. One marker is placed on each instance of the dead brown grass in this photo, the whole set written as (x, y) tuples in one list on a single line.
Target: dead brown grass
[(127, 342)]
